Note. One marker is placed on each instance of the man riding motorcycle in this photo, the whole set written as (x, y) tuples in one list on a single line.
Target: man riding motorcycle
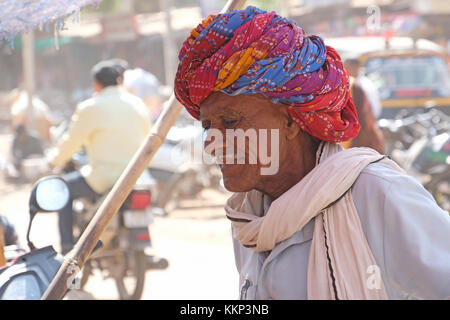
[(110, 126)]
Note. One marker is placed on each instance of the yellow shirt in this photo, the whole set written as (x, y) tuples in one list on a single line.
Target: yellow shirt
[(111, 126)]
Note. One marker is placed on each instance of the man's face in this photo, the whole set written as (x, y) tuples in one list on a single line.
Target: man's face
[(249, 113)]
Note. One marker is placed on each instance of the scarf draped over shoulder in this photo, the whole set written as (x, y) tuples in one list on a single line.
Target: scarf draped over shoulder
[(340, 255)]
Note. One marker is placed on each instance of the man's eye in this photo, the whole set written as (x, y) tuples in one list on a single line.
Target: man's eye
[(228, 123), (206, 125)]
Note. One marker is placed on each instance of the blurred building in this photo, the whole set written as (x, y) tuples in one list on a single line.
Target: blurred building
[(148, 37), (334, 18), (134, 30)]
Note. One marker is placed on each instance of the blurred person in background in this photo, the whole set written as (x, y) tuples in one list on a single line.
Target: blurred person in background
[(110, 126), (20, 114), (142, 84), (145, 85), (25, 145), (371, 91), (121, 65), (370, 135), (327, 223)]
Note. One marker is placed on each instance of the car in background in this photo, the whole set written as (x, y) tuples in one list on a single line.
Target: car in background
[(408, 73)]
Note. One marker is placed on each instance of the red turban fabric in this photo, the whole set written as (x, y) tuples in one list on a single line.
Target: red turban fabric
[(255, 52)]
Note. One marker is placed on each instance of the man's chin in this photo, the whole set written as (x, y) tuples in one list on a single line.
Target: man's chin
[(236, 183)]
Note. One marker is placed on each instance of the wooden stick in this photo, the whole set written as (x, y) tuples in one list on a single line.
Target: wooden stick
[(75, 260), (2, 246)]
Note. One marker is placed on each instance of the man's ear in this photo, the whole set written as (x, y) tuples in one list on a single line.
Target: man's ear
[(292, 129)]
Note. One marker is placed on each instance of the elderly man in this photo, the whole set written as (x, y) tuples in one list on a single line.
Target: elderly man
[(329, 223)]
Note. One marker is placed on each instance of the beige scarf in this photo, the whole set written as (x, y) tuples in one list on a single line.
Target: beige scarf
[(340, 259)]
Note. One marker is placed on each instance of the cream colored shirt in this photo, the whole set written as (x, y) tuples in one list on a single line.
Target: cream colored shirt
[(111, 126)]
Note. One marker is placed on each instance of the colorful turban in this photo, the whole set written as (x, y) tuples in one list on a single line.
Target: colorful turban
[(252, 51)]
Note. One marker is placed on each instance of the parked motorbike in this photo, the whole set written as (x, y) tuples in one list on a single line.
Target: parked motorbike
[(434, 161), (28, 274), (121, 256), (420, 143)]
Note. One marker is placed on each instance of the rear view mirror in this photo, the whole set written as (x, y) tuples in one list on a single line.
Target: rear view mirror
[(52, 194), (49, 194)]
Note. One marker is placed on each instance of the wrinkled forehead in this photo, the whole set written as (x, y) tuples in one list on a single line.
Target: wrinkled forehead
[(219, 104)]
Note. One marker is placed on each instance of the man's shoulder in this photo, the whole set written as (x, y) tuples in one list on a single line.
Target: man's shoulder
[(379, 187), (373, 185), (132, 99), (381, 173), (101, 101), (87, 104)]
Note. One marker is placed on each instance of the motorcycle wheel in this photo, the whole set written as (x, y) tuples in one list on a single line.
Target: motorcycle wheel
[(130, 284)]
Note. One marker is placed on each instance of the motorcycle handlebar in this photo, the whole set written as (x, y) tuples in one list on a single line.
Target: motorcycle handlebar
[(423, 119)]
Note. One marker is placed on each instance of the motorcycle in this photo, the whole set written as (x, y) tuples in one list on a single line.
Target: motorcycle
[(123, 255), (434, 161), (28, 274), (420, 143)]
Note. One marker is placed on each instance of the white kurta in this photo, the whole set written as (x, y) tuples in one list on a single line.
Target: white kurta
[(408, 233)]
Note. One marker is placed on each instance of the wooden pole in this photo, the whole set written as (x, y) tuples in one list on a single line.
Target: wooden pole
[(29, 75), (170, 52), (2, 246), (75, 259)]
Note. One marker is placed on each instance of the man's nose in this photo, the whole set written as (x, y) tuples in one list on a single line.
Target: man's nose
[(214, 142)]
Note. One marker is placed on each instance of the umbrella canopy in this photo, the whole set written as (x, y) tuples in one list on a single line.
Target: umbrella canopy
[(18, 16)]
